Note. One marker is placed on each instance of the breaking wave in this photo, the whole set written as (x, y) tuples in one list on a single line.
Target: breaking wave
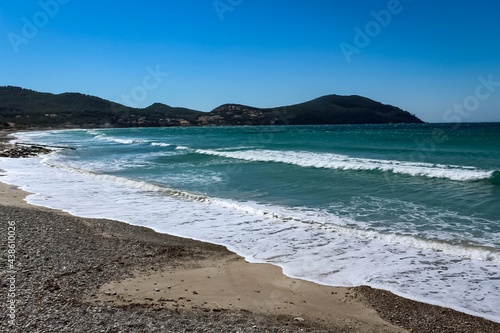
[(344, 162)]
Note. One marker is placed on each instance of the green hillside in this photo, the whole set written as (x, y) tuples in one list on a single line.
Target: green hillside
[(23, 108)]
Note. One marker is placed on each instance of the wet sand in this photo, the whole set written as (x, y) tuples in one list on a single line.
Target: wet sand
[(103, 264)]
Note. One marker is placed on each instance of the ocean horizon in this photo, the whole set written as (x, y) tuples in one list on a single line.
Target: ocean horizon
[(410, 208)]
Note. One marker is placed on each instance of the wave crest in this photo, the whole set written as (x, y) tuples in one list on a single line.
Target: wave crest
[(344, 162)]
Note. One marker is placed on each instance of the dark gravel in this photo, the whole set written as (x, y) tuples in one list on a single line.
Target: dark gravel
[(421, 317), (61, 259)]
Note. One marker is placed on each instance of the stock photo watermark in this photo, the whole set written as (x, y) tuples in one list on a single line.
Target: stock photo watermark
[(223, 6), (483, 91), (372, 29), (262, 136), (150, 82), (31, 26), (457, 114), (11, 274)]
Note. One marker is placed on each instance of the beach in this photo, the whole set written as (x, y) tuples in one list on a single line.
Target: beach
[(77, 274), (80, 275)]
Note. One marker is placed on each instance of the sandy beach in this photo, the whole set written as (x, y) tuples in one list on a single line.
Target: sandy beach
[(75, 274)]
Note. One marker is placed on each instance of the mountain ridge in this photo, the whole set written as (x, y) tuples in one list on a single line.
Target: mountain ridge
[(22, 108)]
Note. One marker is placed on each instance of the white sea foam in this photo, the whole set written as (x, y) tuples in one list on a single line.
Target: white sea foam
[(429, 223), (93, 132), (103, 137), (160, 144), (28, 136), (311, 245), (343, 162), (328, 222)]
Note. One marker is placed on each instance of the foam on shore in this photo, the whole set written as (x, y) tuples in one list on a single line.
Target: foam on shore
[(322, 251)]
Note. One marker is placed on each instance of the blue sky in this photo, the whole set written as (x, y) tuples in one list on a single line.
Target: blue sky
[(437, 59)]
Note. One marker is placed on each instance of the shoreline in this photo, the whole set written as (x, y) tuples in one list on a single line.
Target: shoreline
[(5, 138), (189, 284), (159, 274), (336, 308)]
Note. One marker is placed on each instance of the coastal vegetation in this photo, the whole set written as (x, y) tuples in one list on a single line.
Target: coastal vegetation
[(24, 108)]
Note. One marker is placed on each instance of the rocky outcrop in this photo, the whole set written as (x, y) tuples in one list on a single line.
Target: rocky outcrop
[(24, 151)]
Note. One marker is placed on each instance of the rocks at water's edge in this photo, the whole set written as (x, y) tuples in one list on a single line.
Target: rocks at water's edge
[(24, 151)]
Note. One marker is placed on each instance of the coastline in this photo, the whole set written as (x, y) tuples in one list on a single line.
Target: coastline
[(66, 264), (5, 138), (135, 273)]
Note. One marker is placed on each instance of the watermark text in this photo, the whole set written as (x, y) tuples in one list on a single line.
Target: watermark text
[(364, 36), (11, 274), (31, 26), (223, 6)]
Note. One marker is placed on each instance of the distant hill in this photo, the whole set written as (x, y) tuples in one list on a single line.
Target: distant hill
[(23, 108)]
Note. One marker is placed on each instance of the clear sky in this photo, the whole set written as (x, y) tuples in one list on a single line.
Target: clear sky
[(437, 59)]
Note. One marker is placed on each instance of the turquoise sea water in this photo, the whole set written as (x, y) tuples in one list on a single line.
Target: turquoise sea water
[(414, 209)]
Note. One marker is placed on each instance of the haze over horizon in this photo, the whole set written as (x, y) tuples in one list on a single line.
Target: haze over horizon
[(440, 61)]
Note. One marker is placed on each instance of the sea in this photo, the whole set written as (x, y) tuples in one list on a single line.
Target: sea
[(409, 208)]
